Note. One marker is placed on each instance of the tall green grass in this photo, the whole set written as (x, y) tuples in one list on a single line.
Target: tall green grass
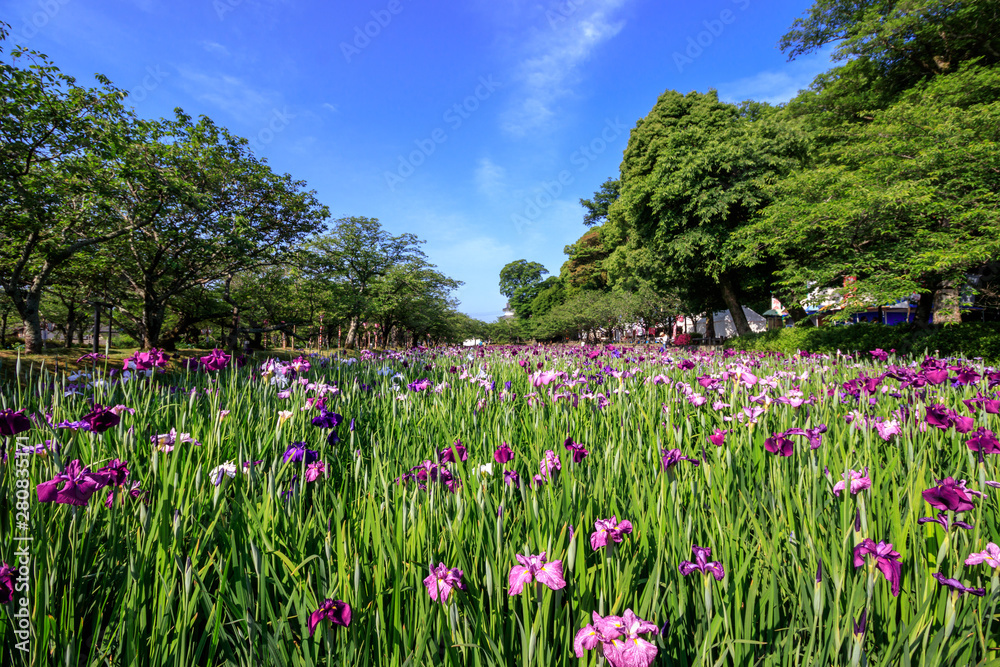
[(227, 575)]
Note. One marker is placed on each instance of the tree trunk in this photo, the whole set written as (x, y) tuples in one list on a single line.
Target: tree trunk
[(922, 316), (3, 329), (152, 325), (33, 342), (735, 309), (947, 302), (352, 334), (710, 325)]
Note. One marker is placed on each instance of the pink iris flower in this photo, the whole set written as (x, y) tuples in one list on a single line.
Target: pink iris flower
[(535, 568)]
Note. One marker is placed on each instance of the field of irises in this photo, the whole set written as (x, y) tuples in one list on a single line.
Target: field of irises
[(506, 506)]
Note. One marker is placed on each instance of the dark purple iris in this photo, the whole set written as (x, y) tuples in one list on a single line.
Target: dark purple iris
[(100, 419), (942, 519), (12, 423), (511, 478), (939, 416), (503, 454), (886, 560), (297, 453), (985, 441), (957, 585), (337, 612), (672, 457), (779, 444), (457, 450), (815, 435), (327, 419), (702, 564), (117, 472), (79, 484), (861, 624), (949, 495), (579, 451), (7, 576)]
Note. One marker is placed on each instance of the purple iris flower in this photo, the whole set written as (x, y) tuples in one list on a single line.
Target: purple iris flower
[(327, 419), (779, 444), (297, 453), (819, 572), (12, 423), (146, 361), (719, 437), (815, 435), (964, 424), (449, 454), (511, 478), (315, 470), (442, 580), (618, 639), (7, 576), (956, 585), (949, 495), (939, 416), (672, 457), (420, 385), (942, 519), (79, 483), (609, 530), (578, 450), (858, 481), (549, 465), (100, 419), (337, 612), (91, 356), (879, 354), (985, 441), (702, 564), (503, 454), (133, 490), (886, 560), (989, 405), (861, 624), (535, 568), (215, 361), (117, 472)]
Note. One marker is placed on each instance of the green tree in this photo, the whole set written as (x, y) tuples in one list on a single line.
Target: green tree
[(352, 256), (243, 216), (694, 172), (597, 208), (906, 202), (519, 282), (63, 148)]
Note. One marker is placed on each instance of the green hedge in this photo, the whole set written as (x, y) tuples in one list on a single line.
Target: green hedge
[(970, 340)]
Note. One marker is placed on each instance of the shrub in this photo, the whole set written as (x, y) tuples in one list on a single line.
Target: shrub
[(970, 340)]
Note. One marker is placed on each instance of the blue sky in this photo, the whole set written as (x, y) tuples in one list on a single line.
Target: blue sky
[(475, 125)]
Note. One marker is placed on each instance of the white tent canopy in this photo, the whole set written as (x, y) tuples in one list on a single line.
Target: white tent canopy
[(724, 327)]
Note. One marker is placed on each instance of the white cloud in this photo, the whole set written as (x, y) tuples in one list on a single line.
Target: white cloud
[(229, 94), (572, 31), (214, 47), (331, 107), (490, 178), (777, 86)]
